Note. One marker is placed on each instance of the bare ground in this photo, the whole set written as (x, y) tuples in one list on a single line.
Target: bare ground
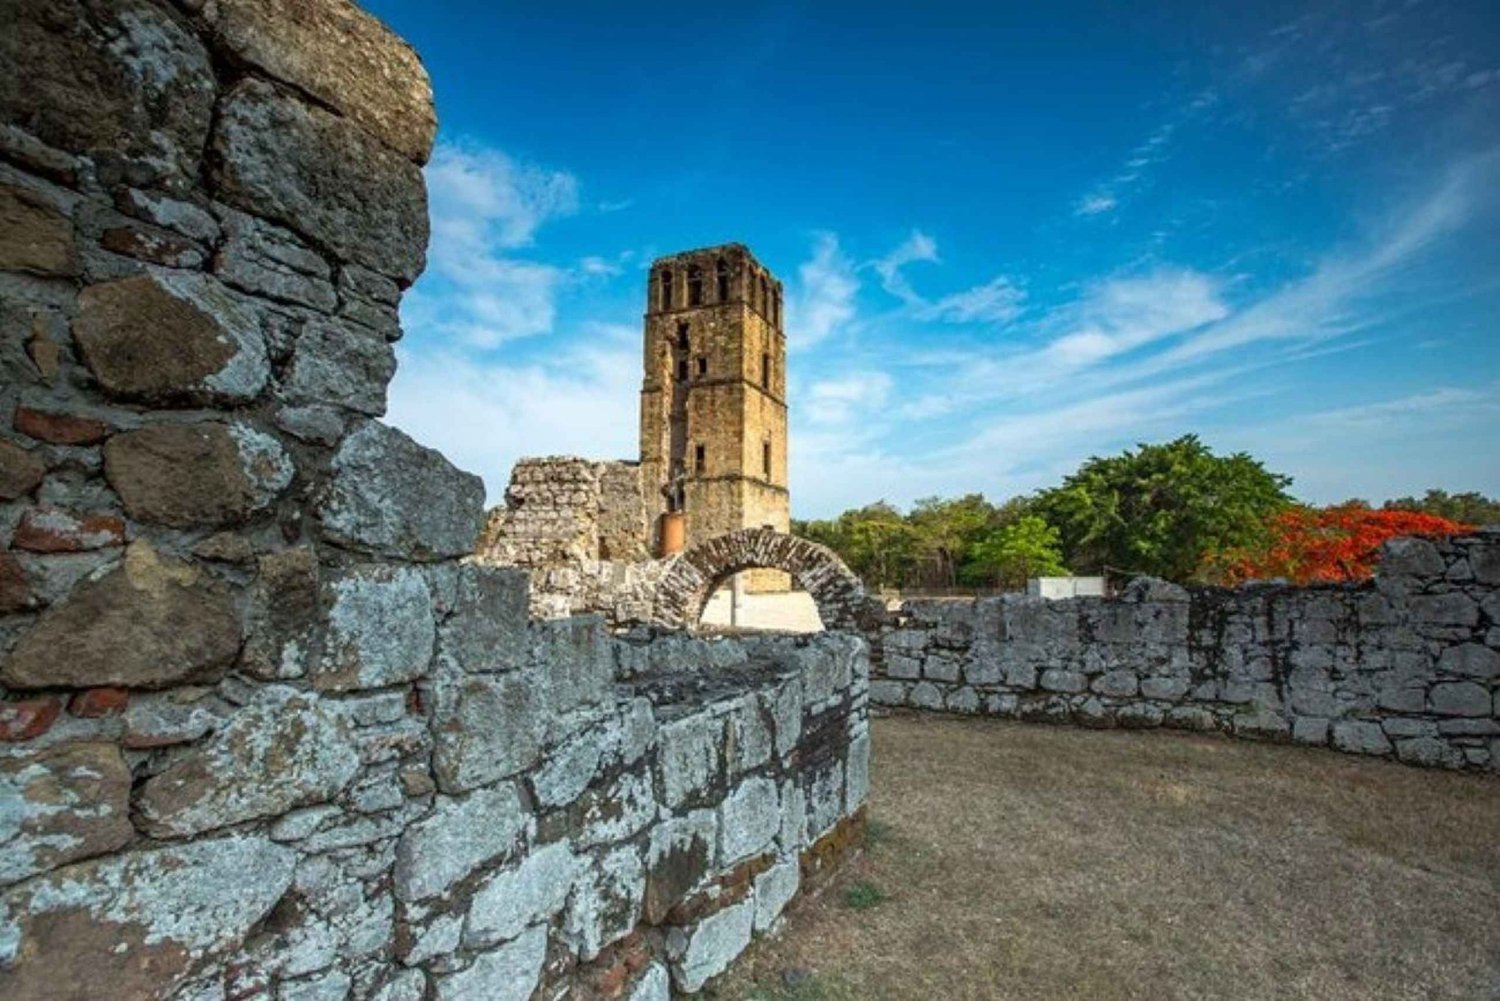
[(1051, 863)]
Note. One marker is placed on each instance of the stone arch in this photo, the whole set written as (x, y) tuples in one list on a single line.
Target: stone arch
[(692, 575)]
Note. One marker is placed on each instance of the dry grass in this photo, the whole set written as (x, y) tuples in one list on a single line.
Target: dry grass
[(1048, 863)]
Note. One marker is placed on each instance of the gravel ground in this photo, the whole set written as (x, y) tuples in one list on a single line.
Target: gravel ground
[(1009, 861)]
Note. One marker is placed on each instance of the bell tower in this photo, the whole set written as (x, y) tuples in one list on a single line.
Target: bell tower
[(713, 400)]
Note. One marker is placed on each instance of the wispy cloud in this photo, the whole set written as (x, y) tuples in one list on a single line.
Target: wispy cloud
[(1154, 149), (823, 302), (918, 247)]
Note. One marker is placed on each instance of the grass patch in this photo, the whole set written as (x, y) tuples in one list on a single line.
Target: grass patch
[(813, 988), (877, 833), (863, 895)]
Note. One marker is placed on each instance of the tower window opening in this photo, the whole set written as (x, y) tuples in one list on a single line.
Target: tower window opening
[(695, 286), (682, 336), (700, 458), (682, 368), (765, 297), (776, 308), (765, 458), (721, 271), (702, 365), (665, 277), (765, 369)]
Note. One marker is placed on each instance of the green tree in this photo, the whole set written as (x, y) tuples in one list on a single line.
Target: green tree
[(1012, 554), (1160, 508), (1468, 508), (947, 530)]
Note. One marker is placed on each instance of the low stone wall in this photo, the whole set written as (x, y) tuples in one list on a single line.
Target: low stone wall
[(265, 732), (1406, 666)]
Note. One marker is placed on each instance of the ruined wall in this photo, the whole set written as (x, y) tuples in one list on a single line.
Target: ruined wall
[(263, 734), (1407, 666)]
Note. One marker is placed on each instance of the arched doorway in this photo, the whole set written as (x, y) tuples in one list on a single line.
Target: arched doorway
[(693, 575)]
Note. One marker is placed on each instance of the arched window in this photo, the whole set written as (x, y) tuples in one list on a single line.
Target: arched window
[(664, 276), (765, 297), (721, 271), (682, 336), (776, 308), (695, 286)]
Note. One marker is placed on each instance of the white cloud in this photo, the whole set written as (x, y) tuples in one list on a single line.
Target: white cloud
[(484, 415), (1095, 204), (997, 301), (846, 398), (918, 247), (823, 303), (484, 207)]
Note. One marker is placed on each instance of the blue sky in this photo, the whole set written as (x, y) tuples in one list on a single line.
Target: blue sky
[(1012, 235)]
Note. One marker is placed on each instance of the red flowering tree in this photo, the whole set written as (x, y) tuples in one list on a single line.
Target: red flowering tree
[(1308, 545)]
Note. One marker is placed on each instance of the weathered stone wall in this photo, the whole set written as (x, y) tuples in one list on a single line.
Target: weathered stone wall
[(263, 732), (1407, 666)]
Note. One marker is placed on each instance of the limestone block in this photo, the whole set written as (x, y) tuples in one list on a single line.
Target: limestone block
[(606, 902), (34, 235), (620, 739), (380, 628), (1310, 730), (1452, 609), (171, 338), (340, 364), (750, 734), (121, 78), (460, 835), (888, 693), (1431, 752), (1116, 684), (1460, 698), (653, 985), (391, 496), (1409, 557), (485, 727), (898, 665), (172, 909), (774, 889), (962, 700), (506, 973), (204, 475), (1470, 660), (690, 759), (1484, 563), (925, 695), (1144, 715), (298, 748), (322, 176), (343, 56), (160, 719), (151, 621), (749, 818), (680, 856), (940, 667), (1360, 737), (1059, 680), (529, 892), (61, 805), (1169, 689), (857, 783), (1262, 724), (486, 627), (573, 660), (610, 813), (825, 798), (705, 949), (1191, 718)]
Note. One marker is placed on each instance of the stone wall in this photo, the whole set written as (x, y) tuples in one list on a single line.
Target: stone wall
[(263, 732), (1406, 666)]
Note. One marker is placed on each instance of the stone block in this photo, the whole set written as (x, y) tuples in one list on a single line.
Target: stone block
[(152, 621), (1310, 730), (393, 497), (123, 80), (486, 628), (1116, 684), (888, 693), (340, 364), (680, 857), (1470, 660), (322, 176), (1059, 680), (774, 889), (1140, 715), (1461, 698), (175, 910), (925, 695), (485, 727), (1410, 557), (204, 475), (899, 665), (61, 805), (705, 949), (171, 339), (1360, 737), (1431, 752), (962, 700), (21, 470), (380, 628), (749, 818), (1453, 610), (34, 236), (1166, 689), (46, 529), (606, 902), (506, 973), (298, 748), (283, 606), (531, 891), (459, 836), (690, 759)]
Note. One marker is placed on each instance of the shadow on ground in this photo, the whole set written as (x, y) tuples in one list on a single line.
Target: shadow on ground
[(1028, 862)]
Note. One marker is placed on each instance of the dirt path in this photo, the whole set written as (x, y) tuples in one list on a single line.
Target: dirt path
[(1050, 863)]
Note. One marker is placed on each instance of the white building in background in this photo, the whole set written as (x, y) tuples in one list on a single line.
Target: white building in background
[(1065, 587)]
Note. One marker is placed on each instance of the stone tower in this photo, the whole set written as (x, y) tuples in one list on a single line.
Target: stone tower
[(713, 401)]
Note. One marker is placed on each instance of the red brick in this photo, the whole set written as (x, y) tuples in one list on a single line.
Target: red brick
[(53, 530), (60, 429), (98, 702), (28, 718)]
